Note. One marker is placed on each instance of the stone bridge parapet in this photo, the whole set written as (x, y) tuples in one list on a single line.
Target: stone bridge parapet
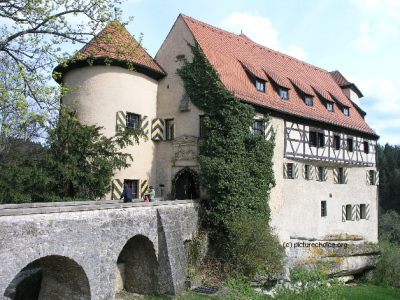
[(79, 244)]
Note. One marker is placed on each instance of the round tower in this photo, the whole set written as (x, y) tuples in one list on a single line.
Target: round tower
[(112, 83)]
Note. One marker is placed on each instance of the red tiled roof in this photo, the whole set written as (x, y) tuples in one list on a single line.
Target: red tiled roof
[(116, 43), (231, 54)]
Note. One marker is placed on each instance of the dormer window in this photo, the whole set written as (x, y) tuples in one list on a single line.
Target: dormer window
[(308, 100), (346, 111), (284, 93), (260, 85), (329, 106)]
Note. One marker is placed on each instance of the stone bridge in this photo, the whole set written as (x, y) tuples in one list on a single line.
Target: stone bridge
[(78, 246)]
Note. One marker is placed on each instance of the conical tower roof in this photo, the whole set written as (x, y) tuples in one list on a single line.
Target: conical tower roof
[(114, 45)]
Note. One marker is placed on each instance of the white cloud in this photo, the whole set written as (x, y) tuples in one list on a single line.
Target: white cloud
[(260, 30), (379, 26)]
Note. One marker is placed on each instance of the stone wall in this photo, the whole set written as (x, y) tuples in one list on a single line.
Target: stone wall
[(79, 245)]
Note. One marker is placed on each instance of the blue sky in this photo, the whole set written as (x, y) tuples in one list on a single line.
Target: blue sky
[(360, 38)]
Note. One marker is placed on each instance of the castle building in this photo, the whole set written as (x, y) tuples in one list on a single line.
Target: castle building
[(324, 158)]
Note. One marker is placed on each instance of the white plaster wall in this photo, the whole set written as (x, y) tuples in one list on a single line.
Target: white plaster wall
[(170, 92), (352, 96), (296, 203), (99, 92)]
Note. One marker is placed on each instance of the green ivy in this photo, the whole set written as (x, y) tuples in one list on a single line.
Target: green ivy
[(235, 165)]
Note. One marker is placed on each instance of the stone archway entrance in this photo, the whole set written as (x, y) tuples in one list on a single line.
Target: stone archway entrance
[(185, 185)]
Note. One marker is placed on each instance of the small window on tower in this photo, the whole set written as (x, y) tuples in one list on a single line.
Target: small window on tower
[(132, 121)]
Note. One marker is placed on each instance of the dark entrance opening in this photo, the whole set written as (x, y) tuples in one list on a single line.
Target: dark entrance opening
[(186, 186)]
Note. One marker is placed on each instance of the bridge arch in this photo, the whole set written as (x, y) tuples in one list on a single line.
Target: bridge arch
[(141, 266), (50, 277)]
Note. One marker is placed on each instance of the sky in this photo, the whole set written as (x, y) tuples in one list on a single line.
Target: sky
[(359, 38)]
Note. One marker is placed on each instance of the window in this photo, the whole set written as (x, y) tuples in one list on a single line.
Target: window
[(366, 147), (313, 138), (133, 184), (329, 106), (363, 211), (317, 139), (258, 127), (309, 100), (323, 209), (350, 144), (203, 128), (336, 142), (307, 172), (284, 93), (340, 176), (320, 173), (348, 213), (260, 85), (169, 129), (320, 139), (371, 174), (346, 111), (132, 121), (289, 171)]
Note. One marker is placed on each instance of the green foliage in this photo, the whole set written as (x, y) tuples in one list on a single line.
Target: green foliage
[(254, 248), (389, 177), (235, 165), (389, 227), (309, 284), (387, 271), (77, 164), (33, 36)]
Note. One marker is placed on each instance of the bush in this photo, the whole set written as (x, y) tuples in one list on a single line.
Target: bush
[(387, 271), (254, 247), (389, 227)]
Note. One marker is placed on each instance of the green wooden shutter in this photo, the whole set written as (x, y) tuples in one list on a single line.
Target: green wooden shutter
[(367, 212), (325, 173), (285, 167), (336, 175), (304, 172), (157, 129), (343, 213), (376, 177), (295, 171), (357, 212), (312, 172), (118, 188), (317, 174), (121, 121), (345, 175), (353, 212), (367, 179)]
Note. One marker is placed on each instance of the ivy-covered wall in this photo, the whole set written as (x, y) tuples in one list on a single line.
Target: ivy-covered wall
[(235, 164)]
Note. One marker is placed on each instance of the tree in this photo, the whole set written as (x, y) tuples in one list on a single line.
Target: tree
[(32, 37), (389, 177), (78, 163)]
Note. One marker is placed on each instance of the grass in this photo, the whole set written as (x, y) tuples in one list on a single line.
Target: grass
[(368, 292), (242, 291)]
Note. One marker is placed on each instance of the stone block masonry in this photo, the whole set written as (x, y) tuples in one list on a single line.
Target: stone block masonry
[(79, 246)]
